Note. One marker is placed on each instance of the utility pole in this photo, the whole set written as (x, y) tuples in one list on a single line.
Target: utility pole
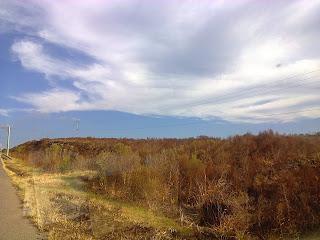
[(78, 121), (8, 141), (78, 128)]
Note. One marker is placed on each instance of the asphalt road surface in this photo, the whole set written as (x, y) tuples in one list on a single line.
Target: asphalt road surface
[(12, 224)]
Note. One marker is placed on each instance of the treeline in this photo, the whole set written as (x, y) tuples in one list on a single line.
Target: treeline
[(240, 186)]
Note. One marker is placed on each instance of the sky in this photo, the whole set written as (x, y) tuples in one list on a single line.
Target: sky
[(158, 69)]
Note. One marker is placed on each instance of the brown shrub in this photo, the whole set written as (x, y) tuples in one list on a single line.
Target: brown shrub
[(241, 185)]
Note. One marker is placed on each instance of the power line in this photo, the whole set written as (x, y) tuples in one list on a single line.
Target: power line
[(244, 90), (219, 99), (195, 123), (275, 114), (232, 97), (272, 91)]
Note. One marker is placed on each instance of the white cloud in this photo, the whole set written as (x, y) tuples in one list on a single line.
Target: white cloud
[(32, 56), (150, 57), (55, 100), (4, 112)]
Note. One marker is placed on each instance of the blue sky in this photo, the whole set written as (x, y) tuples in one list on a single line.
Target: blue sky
[(139, 68)]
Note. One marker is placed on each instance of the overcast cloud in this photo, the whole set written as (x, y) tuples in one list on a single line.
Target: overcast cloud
[(177, 58)]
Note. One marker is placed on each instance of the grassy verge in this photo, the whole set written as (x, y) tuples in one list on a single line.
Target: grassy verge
[(61, 205)]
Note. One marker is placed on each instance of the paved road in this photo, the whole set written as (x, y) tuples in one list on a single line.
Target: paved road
[(13, 226)]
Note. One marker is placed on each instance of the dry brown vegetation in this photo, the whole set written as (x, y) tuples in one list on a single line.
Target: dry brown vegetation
[(62, 208), (244, 186)]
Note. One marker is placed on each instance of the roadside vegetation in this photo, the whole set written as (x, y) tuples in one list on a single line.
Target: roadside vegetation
[(243, 187)]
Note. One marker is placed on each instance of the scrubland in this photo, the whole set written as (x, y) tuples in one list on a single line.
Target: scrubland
[(243, 187)]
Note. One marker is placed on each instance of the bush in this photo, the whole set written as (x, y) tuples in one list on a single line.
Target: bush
[(241, 185)]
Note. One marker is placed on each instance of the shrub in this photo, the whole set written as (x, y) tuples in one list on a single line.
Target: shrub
[(238, 186)]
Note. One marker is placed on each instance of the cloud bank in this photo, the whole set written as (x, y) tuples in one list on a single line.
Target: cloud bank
[(171, 58)]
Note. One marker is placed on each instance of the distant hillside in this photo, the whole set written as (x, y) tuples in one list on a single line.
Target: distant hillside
[(90, 147)]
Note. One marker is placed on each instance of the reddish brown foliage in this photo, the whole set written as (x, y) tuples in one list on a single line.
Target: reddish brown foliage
[(243, 184)]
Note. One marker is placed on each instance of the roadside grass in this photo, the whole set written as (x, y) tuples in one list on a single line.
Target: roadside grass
[(19, 172), (62, 205)]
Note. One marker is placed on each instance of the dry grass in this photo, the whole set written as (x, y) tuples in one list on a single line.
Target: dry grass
[(61, 205)]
